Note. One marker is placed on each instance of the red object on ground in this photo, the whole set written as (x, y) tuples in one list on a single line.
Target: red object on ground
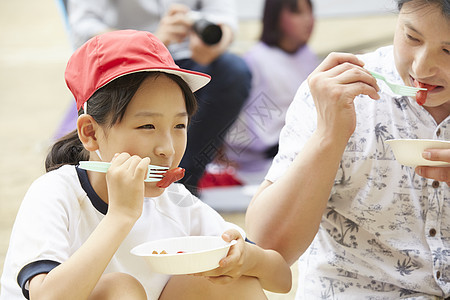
[(220, 179), (170, 177)]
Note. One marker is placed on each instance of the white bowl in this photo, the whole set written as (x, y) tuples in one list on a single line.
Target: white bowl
[(408, 152), (200, 253)]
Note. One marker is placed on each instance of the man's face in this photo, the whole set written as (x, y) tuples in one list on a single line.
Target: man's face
[(422, 51)]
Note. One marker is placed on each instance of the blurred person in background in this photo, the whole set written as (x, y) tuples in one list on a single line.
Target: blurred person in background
[(279, 63)]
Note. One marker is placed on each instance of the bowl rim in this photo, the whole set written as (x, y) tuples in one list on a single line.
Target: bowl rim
[(415, 140), (227, 245)]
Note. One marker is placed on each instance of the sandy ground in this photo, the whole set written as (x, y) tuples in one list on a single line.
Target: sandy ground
[(33, 52)]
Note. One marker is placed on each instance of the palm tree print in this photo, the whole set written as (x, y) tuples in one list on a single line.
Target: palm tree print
[(343, 228), (382, 134), (407, 266)]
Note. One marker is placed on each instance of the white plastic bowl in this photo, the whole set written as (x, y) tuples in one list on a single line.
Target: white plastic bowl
[(200, 253), (408, 152)]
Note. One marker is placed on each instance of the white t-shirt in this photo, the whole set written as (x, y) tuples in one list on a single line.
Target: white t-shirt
[(60, 211), (385, 233)]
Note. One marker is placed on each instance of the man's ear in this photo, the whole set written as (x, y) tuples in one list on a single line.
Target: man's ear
[(87, 129)]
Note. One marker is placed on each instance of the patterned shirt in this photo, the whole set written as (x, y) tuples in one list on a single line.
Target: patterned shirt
[(385, 233)]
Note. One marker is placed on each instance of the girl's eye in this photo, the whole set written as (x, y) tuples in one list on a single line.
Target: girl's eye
[(180, 126), (147, 126), (446, 51)]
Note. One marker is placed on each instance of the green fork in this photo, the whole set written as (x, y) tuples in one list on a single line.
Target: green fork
[(401, 90), (154, 174)]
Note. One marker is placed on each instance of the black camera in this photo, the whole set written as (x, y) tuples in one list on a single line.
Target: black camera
[(209, 32)]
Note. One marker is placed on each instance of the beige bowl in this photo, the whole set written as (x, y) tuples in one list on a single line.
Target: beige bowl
[(199, 254), (408, 152)]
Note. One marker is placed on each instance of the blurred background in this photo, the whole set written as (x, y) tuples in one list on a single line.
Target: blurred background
[(34, 48)]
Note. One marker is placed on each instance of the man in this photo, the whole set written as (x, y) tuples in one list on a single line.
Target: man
[(379, 230)]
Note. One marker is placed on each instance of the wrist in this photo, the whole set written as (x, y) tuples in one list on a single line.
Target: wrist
[(253, 255), (121, 220), (330, 140)]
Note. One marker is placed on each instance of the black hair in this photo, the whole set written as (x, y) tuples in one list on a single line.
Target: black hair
[(271, 32), (443, 4), (107, 107)]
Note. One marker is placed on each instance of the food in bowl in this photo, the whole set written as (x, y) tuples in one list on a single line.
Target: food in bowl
[(184, 255)]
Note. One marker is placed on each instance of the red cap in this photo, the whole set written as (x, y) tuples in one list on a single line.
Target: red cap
[(111, 55)]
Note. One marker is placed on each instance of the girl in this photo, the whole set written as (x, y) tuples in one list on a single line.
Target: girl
[(75, 229)]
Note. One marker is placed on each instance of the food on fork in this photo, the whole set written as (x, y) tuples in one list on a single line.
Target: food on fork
[(170, 177), (421, 96)]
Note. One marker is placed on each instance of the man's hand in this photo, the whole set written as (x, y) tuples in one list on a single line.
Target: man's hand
[(437, 173)]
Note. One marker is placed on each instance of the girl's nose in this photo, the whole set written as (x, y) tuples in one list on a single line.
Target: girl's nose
[(164, 146)]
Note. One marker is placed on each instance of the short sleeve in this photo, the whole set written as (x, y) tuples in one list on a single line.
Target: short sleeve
[(40, 239), (301, 121)]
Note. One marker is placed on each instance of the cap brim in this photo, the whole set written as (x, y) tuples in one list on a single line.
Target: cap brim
[(195, 80)]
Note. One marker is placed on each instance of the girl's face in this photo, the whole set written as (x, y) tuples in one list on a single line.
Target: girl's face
[(422, 51), (154, 125), (297, 27)]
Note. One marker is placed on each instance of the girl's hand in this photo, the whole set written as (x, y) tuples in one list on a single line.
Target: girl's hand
[(334, 84), (125, 180), (233, 265), (437, 173)]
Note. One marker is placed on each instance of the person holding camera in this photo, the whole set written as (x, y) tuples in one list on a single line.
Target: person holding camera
[(180, 26)]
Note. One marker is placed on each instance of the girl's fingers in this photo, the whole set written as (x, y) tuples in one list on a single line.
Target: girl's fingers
[(120, 158), (118, 162), (142, 168), (134, 165), (231, 234)]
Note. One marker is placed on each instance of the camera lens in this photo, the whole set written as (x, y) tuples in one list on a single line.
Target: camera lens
[(209, 32)]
